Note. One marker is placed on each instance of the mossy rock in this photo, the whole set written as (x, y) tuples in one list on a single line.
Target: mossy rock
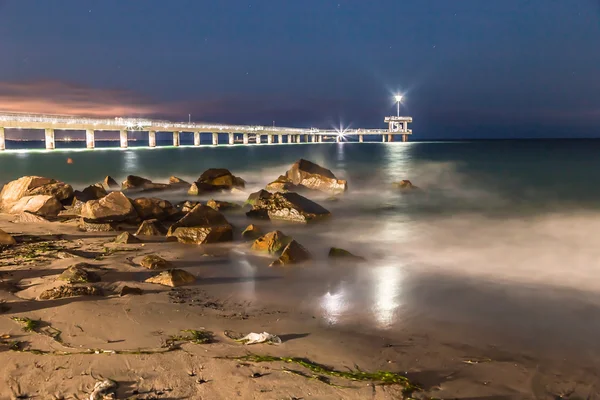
[(78, 273), (172, 278), (65, 291), (152, 261), (272, 243)]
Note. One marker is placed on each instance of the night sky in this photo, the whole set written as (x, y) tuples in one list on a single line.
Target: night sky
[(467, 68)]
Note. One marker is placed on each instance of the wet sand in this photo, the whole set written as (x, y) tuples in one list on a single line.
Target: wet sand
[(448, 356)]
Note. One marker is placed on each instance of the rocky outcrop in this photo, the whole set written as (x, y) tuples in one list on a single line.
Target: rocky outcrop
[(222, 205), (404, 184), (288, 207), (172, 278), (338, 253), (60, 190), (6, 239), (252, 232), (13, 191), (257, 196), (313, 176), (281, 184), (110, 184), (151, 227), (153, 208), (126, 238), (115, 207), (70, 291), (203, 235), (293, 253), (272, 243), (79, 273), (44, 205), (221, 177), (152, 261)]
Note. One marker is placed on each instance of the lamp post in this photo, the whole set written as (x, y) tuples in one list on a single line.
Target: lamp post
[(398, 98)]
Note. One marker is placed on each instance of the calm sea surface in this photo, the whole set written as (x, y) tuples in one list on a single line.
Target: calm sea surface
[(503, 234)]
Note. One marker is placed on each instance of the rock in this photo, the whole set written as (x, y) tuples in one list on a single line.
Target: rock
[(289, 207), (70, 291), (256, 196), (203, 235), (222, 205), (79, 274), (151, 227), (135, 182), (126, 238), (6, 239), (28, 218), (60, 190), (272, 243), (336, 252), (96, 227), (198, 188), (293, 253), (152, 261), (313, 176), (200, 216), (252, 232), (221, 177), (173, 278), (92, 192), (110, 184), (127, 290), (188, 206), (404, 185), (45, 205), (114, 207), (281, 184), (175, 181), (13, 191), (153, 208)]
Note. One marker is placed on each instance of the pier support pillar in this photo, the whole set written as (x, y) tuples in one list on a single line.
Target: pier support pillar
[(361, 138), (257, 139), (49, 138), (246, 139), (2, 139), (280, 138), (123, 138), (320, 138), (89, 138), (405, 138), (196, 138), (390, 138), (176, 139), (215, 138), (383, 138), (152, 138), (338, 138), (269, 139), (299, 139), (231, 138)]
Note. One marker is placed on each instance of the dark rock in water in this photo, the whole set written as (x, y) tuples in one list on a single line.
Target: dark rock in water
[(96, 227), (336, 252), (6, 239), (110, 184), (60, 190), (13, 191), (93, 192), (79, 273), (313, 176), (44, 205), (153, 208), (404, 185), (175, 181), (222, 205), (256, 196), (293, 253), (198, 188), (151, 227), (252, 232), (172, 278), (126, 238), (203, 235), (70, 291), (128, 290), (281, 184), (288, 207), (200, 216), (29, 218), (272, 243), (115, 207), (135, 182), (152, 261), (221, 177)]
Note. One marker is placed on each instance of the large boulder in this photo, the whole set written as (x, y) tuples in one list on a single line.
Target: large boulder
[(115, 207), (172, 278), (13, 191), (110, 184), (153, 208), (257, 196), (272, 243), (293, 253), (200, 216), (281, 184), (221, 177), (6, 239), (126, 238), (44, 205), (60, 190), (135, 182), (288, 207), (151, 227), (93, 192), (203, 235), (315, 177)]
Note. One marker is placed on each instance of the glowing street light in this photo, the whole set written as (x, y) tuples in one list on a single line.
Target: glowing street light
[(398, 98)]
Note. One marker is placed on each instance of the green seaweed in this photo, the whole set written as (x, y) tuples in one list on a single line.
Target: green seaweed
[(28, 324), (193, 336)]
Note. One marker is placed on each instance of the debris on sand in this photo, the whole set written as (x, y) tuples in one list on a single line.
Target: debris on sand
[(104, 390)]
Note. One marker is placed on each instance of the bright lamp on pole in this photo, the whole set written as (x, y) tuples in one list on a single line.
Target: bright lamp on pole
[(398, 98)]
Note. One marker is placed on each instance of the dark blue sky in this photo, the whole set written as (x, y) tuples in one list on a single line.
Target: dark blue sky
[(467, 68)]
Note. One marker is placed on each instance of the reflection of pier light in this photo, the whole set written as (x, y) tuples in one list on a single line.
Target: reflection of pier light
[(333, 306), (386, 292), (131, 161)]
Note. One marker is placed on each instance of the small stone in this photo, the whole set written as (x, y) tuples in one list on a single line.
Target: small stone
[(151, 227), (128, 290), (203, 235), (293, 253), (152, 261), (272, 243), (70, 291), (252, 232), (222, 205), (6, 239), (126, 238), (78, 274), (336, 252), (173, 278), (404, 184)]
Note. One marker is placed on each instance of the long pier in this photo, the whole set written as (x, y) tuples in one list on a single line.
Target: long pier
[(397, 126)]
